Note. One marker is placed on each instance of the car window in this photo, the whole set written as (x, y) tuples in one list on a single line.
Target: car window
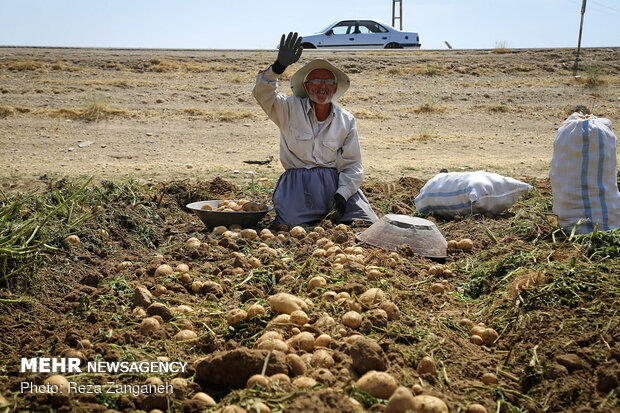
[(344, 27), (368, 27), (364, 29), (377, 28)]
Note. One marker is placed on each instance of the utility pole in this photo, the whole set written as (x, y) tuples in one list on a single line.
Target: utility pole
[(400, 13), (583, 11)]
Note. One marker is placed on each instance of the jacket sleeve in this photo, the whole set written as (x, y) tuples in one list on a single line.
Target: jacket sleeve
[(349, 164), (266, 93)]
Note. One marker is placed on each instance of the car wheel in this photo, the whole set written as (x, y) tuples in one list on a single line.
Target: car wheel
[(308, 46), (393, 45)]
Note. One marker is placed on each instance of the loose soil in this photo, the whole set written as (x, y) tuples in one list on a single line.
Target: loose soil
[(170, 127)]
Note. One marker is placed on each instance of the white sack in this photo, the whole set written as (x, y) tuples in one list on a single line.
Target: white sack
[(465, 193), (583, 174)]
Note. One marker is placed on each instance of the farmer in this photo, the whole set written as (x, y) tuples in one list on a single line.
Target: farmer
[(319, 146)]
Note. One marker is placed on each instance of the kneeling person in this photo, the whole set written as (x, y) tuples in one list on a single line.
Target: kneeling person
[(319, 145)]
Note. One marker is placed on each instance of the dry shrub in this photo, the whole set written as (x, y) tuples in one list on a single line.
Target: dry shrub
[(427, 107), (498, 108), (6, 111), (23, 65), (22, 109), (64, 67), (367, 114), (210, 67), (161, 66), (228, 115), (501, 47), (196, 112)]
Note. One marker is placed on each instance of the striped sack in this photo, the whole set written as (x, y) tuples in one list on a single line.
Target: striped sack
[(465, 193), (583, 175)]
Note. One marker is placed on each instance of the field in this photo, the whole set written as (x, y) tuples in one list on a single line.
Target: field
[(109, 145)]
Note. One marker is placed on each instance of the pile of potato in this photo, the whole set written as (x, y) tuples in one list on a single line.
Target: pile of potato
[(236, 206)]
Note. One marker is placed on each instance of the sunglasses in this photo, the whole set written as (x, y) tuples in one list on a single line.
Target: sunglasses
[(330, 82)]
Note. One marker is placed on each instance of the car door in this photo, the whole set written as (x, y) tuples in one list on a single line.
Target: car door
[(340, 35), (371, 35)]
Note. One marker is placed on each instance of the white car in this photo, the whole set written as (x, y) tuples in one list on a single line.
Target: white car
[(361, 34)]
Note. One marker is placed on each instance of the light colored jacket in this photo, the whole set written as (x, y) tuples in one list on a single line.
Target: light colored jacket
[(304, 143)]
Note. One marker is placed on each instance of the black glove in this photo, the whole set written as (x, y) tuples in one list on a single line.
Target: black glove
[(289, 52), (336, 207)]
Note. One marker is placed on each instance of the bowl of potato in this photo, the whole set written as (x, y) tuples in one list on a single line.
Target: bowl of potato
[(218, 212)]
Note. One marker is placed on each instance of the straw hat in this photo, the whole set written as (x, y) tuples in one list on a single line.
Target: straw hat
[(297, 80)]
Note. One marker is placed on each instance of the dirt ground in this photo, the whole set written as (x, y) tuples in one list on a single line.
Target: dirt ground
[(159, 114), (180, 123)]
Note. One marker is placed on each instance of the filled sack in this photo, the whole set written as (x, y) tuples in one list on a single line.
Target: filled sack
[(465, 193), (583, 175)]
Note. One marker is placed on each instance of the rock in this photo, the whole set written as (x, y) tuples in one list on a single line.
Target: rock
[(367, 355), (556, 371), (570, 361), (232, 369), (142, 297), (85, 144)]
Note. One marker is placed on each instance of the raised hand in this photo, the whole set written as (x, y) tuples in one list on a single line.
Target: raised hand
[(290, 49)]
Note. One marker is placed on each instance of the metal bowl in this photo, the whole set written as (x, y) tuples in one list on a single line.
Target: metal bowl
[(226, 218)]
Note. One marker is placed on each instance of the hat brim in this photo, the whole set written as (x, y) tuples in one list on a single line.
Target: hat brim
[(297, 80)]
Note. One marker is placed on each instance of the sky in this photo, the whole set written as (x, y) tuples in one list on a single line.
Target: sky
[(256, 24)]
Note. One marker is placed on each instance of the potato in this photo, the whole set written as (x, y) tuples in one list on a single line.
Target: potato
[(489, 336), (465, 244), (219, 230), (343, 295), (58, 381), (424, 403), (257, 380), (230, 234), (154, 380), (185, 335), (391, 262), (193, 242), (476, 340), (303, 382), (73, 240), (296, 364), (196, 286), (123, 266), (392, 310), (182, 309), (270, 335), (236, 316), (333, 250), (205, 399), (182, 268), (477, 330), (184, 324), (256, 310), (316, 282), (148, 326), (466, 322), (207, 207), (280, 378), (371, 296), (323, 340), (453, 245), (427, 366), (437, 288), (352, 319), (436, 270), (328, 296), (378, 384), (400, 401), (489, 378), (266, 234), (341, 227), (235, 228), (159, 291), (476, 408), (179, 385), (281, 319), (281, 237), (297, 232), (299, 317), (185, 278), (417, 389), (322, 358), (255, 262), (319, 253), (303, 341), (163, 269), (249, 234), (285, 303), (374, 274)]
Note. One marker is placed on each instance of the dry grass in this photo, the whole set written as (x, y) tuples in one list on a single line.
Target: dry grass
[(501, 47), (427, 107), (6, 111), (501, 108), (25, 65), (223, 115), (367, 114), (64, 67)]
